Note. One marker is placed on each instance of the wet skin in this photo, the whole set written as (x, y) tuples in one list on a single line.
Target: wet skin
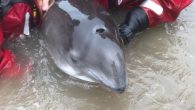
[(83, 40)]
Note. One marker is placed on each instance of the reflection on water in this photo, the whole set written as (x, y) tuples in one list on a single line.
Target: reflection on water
[(160, 63)]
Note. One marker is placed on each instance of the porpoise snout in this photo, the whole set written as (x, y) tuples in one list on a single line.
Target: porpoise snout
[(121, 89), (115, 79), (117, 87), (120, 85)]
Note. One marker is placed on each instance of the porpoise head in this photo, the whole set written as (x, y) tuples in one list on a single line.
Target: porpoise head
[(93, 52)]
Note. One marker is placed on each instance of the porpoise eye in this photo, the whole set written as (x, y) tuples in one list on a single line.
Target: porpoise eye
[(75, 22), (100, 30)]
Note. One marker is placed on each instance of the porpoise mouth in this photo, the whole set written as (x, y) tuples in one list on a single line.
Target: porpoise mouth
[(93, 75), (114, 82)]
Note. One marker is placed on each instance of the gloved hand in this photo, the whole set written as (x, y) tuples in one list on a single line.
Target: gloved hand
[(136, 20)]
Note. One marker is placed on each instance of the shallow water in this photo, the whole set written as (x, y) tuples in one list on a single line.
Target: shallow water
[(160, 63)]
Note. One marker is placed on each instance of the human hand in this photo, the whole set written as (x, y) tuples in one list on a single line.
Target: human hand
[(136, 21), (45, 4), (125, 33)]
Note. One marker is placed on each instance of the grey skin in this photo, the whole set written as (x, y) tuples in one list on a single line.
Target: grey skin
[(83, 40)]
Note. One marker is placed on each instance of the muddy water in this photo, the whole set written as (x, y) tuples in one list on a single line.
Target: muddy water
[(161, 70)]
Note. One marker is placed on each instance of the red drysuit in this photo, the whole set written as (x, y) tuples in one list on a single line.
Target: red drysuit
[(158, 11)]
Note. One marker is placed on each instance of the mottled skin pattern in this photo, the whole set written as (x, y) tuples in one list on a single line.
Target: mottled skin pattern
[(83, 41)]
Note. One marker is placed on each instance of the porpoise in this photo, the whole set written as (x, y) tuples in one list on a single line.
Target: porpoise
[(83, 40)]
